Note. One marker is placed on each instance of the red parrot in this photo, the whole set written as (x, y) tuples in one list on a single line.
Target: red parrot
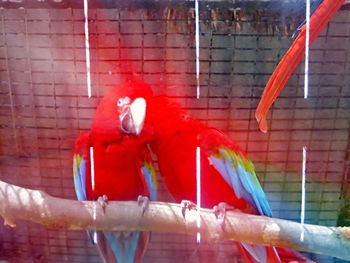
[(122, 168), (227, 175), (291, 59)]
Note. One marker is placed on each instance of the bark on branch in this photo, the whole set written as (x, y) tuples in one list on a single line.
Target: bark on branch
[(37, 206)]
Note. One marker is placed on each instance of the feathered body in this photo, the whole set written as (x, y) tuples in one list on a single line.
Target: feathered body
[(227, 175), (176, 136), (118, 169), (122, 171)]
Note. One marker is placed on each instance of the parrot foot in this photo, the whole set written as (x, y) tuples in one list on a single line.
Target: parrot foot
[(220, 212), (185, 204), (103, 201), (143, 201)]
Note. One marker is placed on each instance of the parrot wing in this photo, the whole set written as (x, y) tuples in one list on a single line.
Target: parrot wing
[(81, 165), (149, 179), (324, 12), (81, 170), (239, 173)]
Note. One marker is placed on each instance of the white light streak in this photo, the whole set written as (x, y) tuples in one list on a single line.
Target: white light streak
[(307, 43), (95, 237), (197, 47), (92, 168), (94, 211), (87, 48), (198, 152), (198, 170), (302, 215)]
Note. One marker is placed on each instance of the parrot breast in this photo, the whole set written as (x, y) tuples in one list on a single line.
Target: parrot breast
[(115, 171)]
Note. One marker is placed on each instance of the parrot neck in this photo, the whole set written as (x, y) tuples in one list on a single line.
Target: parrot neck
[(165, 119)]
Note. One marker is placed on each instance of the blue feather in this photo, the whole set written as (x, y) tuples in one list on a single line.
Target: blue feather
[(79, 178), (151, 184), (123, 245), (83, 176), (79, 175), (254, 191), (244, 183)]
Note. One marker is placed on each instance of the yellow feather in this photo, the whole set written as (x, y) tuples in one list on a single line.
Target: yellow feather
[(151, 170)]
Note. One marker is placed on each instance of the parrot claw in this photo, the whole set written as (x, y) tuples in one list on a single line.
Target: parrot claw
[(220, 212), (143, 201), (103, 200), (185, 204)]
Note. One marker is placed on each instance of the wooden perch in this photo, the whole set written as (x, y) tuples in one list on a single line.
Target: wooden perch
[(37, 206)]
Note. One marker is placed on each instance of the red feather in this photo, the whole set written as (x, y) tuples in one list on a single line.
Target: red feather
[(291, 59)]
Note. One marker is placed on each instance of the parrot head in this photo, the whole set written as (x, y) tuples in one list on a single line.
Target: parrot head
[(121, 112)]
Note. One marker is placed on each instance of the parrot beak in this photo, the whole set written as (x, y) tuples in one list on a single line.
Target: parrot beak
[(138, 114)]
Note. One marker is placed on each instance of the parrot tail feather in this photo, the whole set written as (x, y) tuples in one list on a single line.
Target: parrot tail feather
[(255, 254), (122, 247), (288, 255), (291, 59), (258, 253)]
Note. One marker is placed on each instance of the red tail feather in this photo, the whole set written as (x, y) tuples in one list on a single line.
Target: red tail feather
[(291, 256), (291, 59)]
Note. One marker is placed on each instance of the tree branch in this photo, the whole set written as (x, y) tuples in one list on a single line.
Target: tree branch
[(37, 206)]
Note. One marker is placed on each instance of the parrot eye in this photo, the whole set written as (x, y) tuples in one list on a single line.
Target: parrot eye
[(123, 101), (120, 102)]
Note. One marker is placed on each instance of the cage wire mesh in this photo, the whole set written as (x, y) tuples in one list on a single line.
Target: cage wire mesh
[(44, 106)]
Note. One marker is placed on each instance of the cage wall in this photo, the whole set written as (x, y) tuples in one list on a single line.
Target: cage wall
[(44, 106)]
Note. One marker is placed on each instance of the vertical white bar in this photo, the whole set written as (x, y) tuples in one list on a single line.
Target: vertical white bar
[(87, 48), (92, 168), (198, 152), (198, 170), (197, 47), (95, 237), (307, 43), (302, 214), (93, 188)]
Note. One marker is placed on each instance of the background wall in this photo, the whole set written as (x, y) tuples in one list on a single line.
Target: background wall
[(44, 105)]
